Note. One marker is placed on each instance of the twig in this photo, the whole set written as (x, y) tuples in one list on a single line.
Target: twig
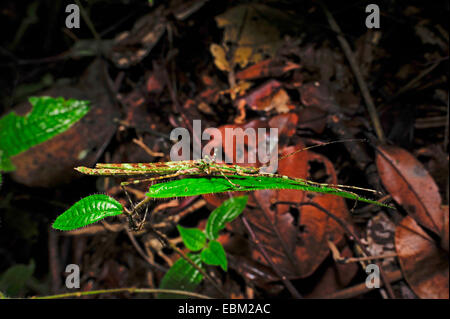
[(95, 230), (140, 143), (88, 22), (413, 82), (53, 260), (142, 253), (360, 289), (359, 78), (283, 278), (346, 260), (129, 290)]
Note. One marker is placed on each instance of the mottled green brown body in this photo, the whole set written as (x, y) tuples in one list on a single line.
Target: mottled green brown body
[(195, 167), (188, 167)]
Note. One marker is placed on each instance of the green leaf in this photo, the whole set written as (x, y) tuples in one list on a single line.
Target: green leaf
[(193, 238), (225, 213), (5, 163), (215, 255), (49, 117), (13, 280), (86, 211), (182, 276), (208, 185)]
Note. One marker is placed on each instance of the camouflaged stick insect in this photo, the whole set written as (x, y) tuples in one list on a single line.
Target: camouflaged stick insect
[(205, 166)]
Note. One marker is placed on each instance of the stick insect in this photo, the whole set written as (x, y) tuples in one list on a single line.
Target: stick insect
[(206, 166)]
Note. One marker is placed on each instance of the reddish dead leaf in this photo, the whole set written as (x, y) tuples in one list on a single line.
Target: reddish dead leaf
[(296, 240), (209, 95), (285, 123), (411, 186), (267, 97), (230, 144), (266, 68), (424, 265)]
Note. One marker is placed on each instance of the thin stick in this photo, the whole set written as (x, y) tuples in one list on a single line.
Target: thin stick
[(283, 278), (143, 255), (359, 78), (129, 290), (88, 21), (361, 289), (140, 143), (323, 144)]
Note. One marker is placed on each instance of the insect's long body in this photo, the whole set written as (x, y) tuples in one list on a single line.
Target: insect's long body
[(190, 168), (194, 167)]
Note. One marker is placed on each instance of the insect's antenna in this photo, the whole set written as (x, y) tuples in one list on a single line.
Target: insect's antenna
[(326, 143)]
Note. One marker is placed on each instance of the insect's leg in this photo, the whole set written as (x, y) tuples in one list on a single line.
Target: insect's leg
[(131, 222), (142, 222), (338, 186), (139, 181), (240, 172), (128, 197), (229, 181)]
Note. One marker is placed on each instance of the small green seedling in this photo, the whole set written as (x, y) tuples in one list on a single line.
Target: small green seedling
[(205, 247)]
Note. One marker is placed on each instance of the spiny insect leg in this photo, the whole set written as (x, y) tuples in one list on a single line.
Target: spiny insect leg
[(139, 181), (142, 222), (128, 197)]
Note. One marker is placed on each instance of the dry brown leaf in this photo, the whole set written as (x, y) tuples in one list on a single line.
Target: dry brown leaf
[(424, 264), (405, 178), (252, 30)]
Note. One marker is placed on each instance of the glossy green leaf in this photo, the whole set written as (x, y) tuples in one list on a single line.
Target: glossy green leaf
[(88, 210), (14, 279), (182, 276), (49, 117), (225, 213), (215, 255), (208, 185), (194, 239)]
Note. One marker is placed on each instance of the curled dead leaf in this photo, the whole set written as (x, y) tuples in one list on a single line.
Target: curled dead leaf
[(405, 178), (424, 264)]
